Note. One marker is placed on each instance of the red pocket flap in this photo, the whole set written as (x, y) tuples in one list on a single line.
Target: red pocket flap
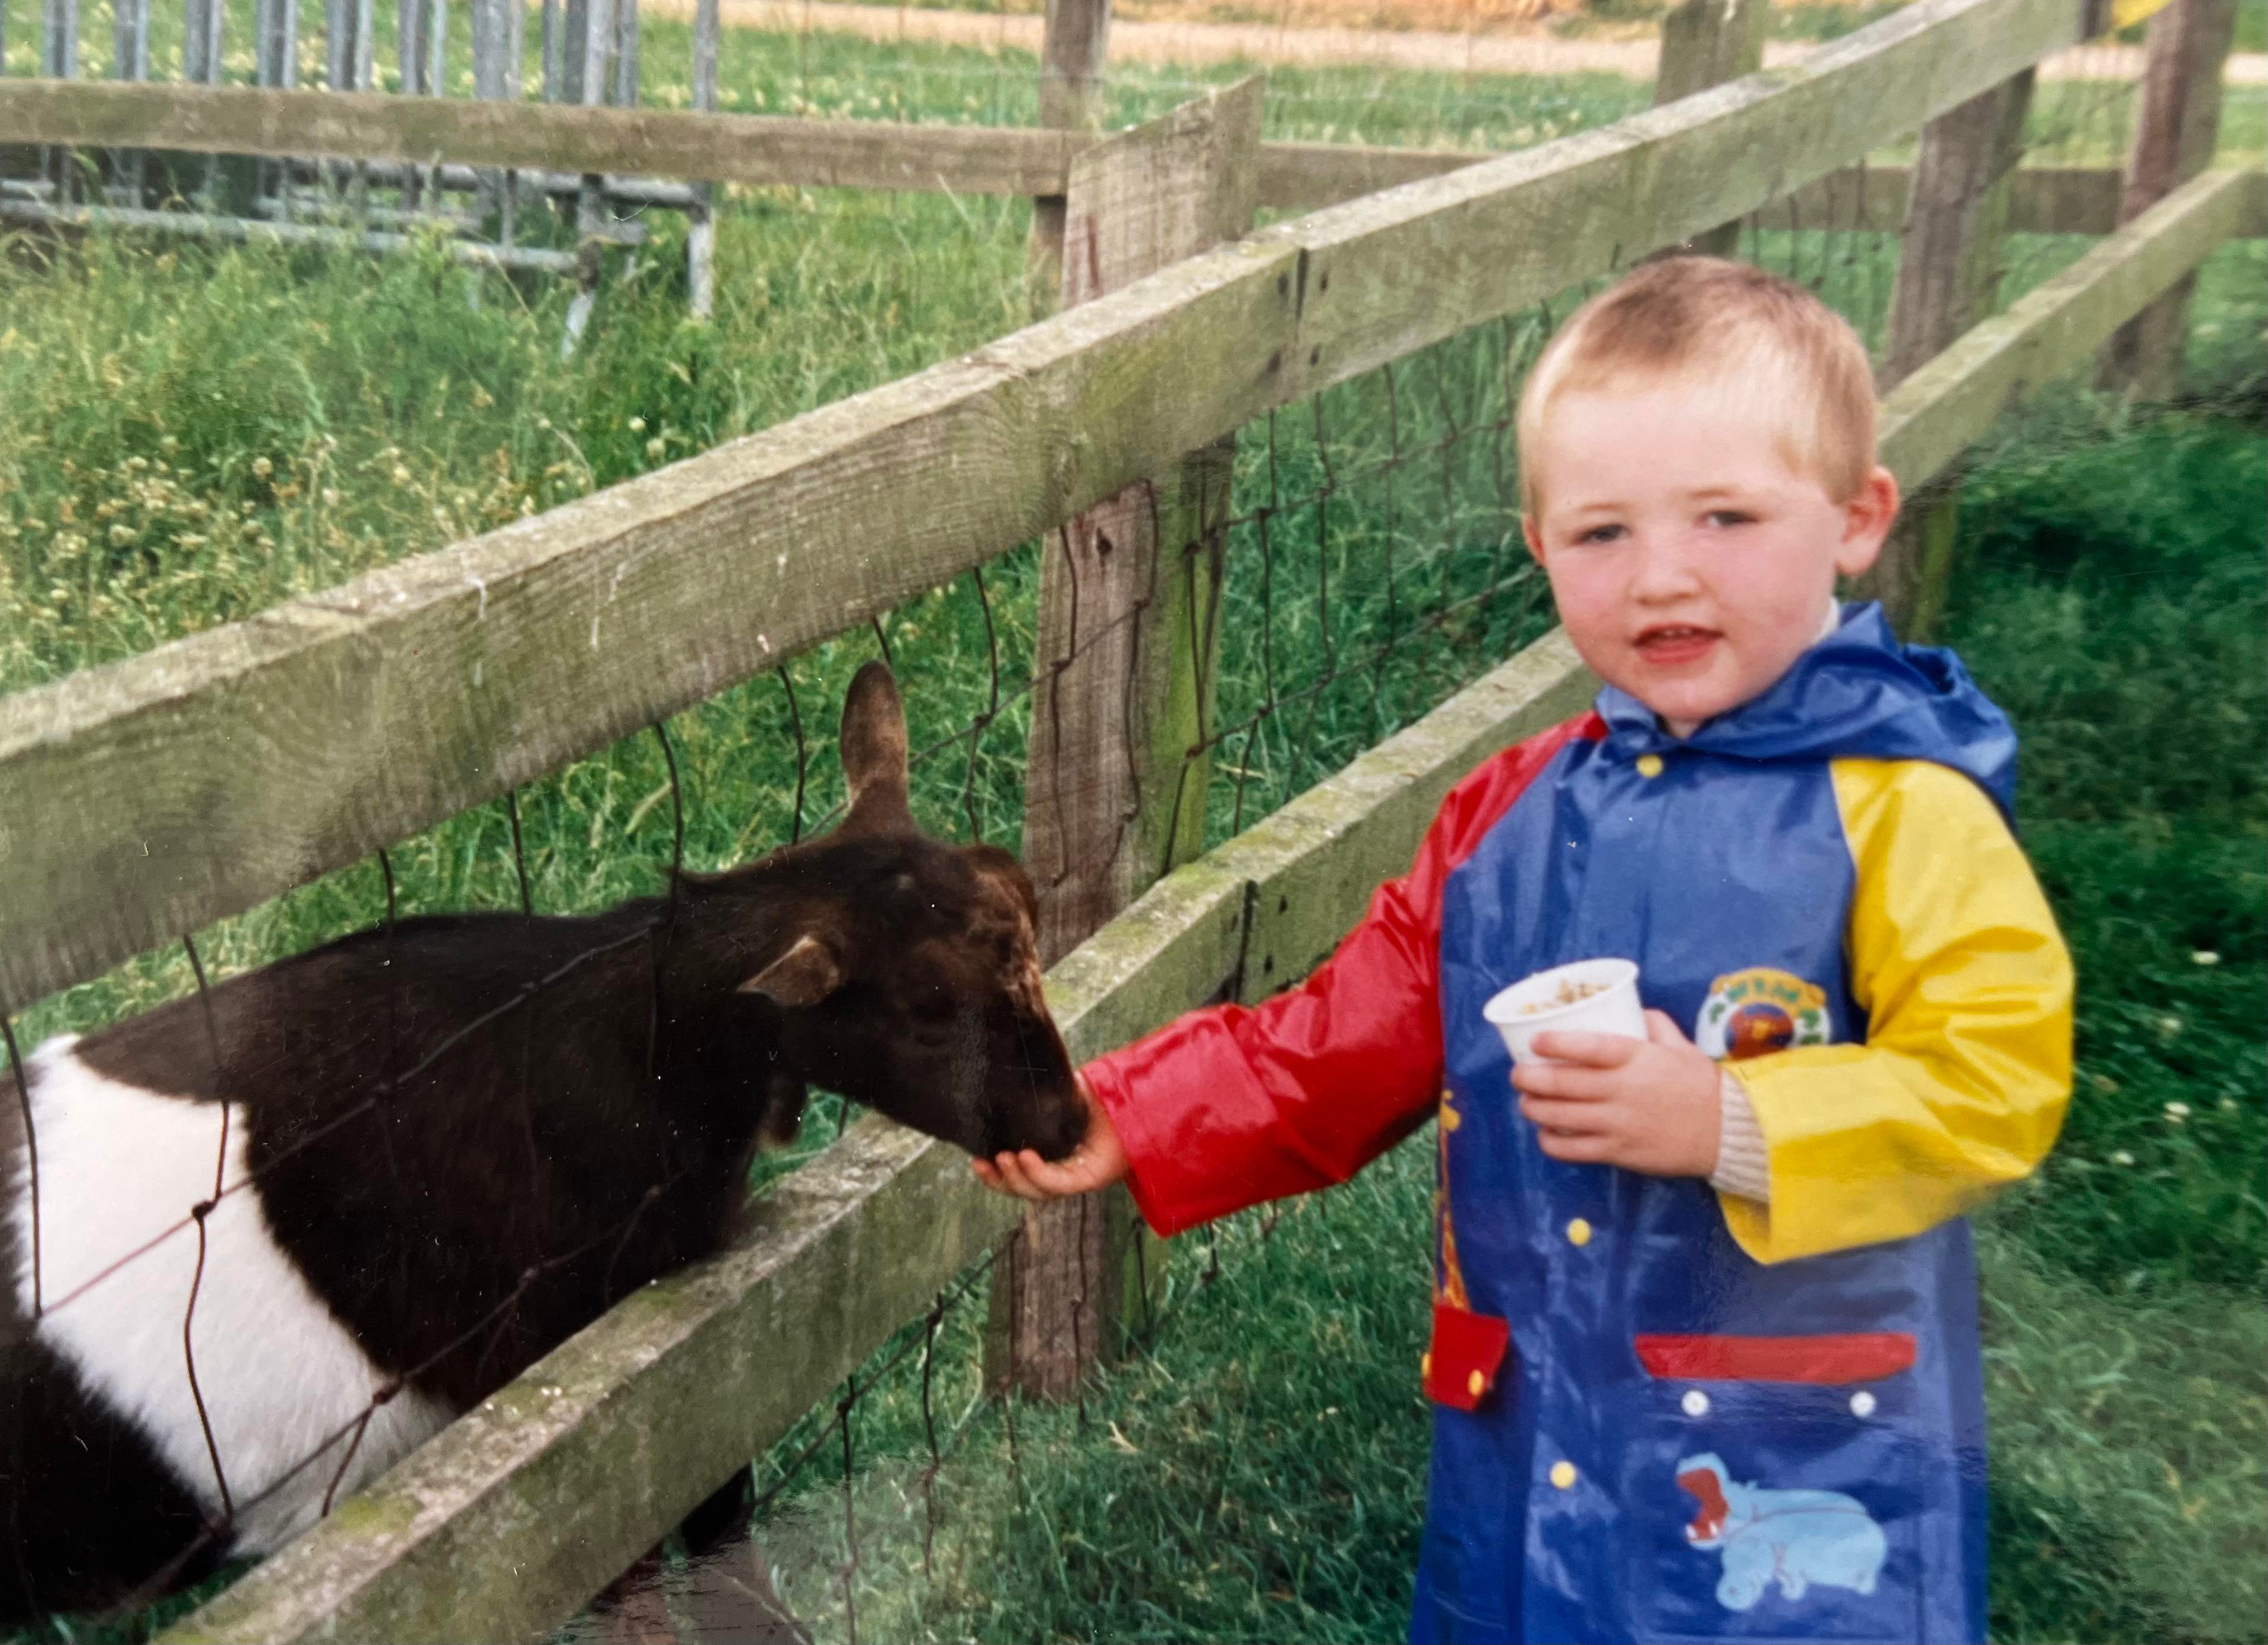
[(1468, 1348), (1852, 1356)]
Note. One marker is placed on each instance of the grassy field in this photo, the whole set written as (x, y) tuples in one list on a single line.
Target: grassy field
[(187, 437)]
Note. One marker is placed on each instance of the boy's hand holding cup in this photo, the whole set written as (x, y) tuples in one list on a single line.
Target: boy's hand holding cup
[(1604, 1081)]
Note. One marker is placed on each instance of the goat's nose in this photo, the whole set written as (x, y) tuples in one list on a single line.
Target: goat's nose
[(1062, 1126)]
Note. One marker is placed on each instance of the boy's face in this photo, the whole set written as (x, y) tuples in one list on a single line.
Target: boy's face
[(1693, 562)]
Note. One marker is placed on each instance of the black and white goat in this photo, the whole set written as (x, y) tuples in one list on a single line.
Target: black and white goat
[(445, 1148)]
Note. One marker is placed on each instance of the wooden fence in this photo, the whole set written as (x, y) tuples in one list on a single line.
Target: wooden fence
[(159, 794), (635, 147)]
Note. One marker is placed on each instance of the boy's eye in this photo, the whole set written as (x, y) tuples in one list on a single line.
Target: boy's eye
[(1730, 517), (1599, 534)]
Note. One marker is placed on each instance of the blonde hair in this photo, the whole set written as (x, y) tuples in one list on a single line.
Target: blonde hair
[(1742, 331)]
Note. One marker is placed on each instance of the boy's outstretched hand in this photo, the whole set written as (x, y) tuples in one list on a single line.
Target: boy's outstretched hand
[(1646, 1105), (1096, 1163)]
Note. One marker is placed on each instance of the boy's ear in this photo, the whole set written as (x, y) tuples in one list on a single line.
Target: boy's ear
[(1535, 538), (1866, 521)]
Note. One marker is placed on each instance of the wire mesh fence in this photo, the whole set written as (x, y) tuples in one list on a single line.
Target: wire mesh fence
[(1841, 238), (1370, 565)]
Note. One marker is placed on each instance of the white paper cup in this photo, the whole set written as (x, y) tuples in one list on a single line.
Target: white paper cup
[(1523, 1010)]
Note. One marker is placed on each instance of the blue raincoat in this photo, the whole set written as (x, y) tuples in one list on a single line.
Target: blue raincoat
[(1663, 1413)]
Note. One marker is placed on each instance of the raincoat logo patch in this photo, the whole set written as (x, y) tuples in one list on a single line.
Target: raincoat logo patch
[(1749, 1013), (1793, 1537)]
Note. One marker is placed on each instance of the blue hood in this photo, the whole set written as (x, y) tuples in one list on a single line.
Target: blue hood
[(1859, 693)]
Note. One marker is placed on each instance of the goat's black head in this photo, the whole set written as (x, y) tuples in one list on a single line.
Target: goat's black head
[(904, 970)]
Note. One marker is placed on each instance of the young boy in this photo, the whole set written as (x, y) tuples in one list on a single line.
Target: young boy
[(1704, 1357)]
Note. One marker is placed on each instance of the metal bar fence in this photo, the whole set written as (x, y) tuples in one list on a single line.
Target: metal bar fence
[(358, 205)]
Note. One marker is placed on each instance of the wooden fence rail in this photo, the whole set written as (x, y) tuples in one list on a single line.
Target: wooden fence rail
[(760, 149), (604, 1444), (156, 795)]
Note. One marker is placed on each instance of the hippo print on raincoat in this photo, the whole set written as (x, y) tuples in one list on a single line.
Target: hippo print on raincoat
[(1660, 1412)]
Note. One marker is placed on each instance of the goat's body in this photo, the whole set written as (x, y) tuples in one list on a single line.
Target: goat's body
[(395, 1170), (392, 1219)]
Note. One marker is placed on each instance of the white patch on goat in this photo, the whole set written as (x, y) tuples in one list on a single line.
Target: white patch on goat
[(119, 1167)]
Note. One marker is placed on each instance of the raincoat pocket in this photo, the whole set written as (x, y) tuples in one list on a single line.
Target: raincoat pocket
[(1774, 1488)]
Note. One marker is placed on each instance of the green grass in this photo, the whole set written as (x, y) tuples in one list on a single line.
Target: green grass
[(187, 435)]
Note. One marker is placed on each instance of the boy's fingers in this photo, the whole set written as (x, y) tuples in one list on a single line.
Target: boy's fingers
[(1012, 1174), (1595, 1051), (1576, 1147), (1569, 1081), (1081, 1172), (1663, 1029), (1583, 1117), (1054, 1181)]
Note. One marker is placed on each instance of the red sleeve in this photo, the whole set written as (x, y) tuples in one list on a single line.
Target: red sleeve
[(1225, 1107)]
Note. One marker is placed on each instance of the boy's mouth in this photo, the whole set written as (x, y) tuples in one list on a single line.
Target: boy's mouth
[(1667, 644)]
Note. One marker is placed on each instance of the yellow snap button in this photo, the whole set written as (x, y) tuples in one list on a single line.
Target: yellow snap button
[(1425, 1364), (1578, 1232), (1563, 1474), (1649, 764), (1474, 1383)]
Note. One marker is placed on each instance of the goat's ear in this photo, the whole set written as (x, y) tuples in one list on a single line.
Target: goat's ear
[(804, 975), (873, 749), (996, 864)]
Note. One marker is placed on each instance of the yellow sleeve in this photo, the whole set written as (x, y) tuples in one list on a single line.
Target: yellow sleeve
[(1962, 1084)]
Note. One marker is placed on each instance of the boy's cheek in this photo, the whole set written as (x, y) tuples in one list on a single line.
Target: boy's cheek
[(1588, 603)]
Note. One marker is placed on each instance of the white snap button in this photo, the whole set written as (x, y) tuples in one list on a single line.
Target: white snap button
[(1695, 1402), (1862, 1404)]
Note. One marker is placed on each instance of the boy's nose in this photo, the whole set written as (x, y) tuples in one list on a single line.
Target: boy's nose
[(1664, 572)]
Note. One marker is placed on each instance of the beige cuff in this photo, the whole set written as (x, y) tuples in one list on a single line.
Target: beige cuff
[(1743, 1162)]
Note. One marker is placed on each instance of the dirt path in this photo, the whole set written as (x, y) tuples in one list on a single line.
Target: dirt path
[(1268, 45)]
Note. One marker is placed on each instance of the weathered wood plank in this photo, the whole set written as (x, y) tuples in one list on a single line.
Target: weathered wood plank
[(1706, 43), (1301, 176), (2043, 199), (1113, 649), (875, 154), (1941, 409), (687, 143), (1951, 256), (584, 1461), (1074, 58), (2174, 140), (1122, 688), (1393, 273)]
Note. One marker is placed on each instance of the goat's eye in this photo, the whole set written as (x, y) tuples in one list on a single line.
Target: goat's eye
[(933, 1007)]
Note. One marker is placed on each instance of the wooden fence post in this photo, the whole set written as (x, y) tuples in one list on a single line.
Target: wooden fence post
[(1129, 603), (1706, 43), (1949, 268), (1073, 57), (2174, 140)]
